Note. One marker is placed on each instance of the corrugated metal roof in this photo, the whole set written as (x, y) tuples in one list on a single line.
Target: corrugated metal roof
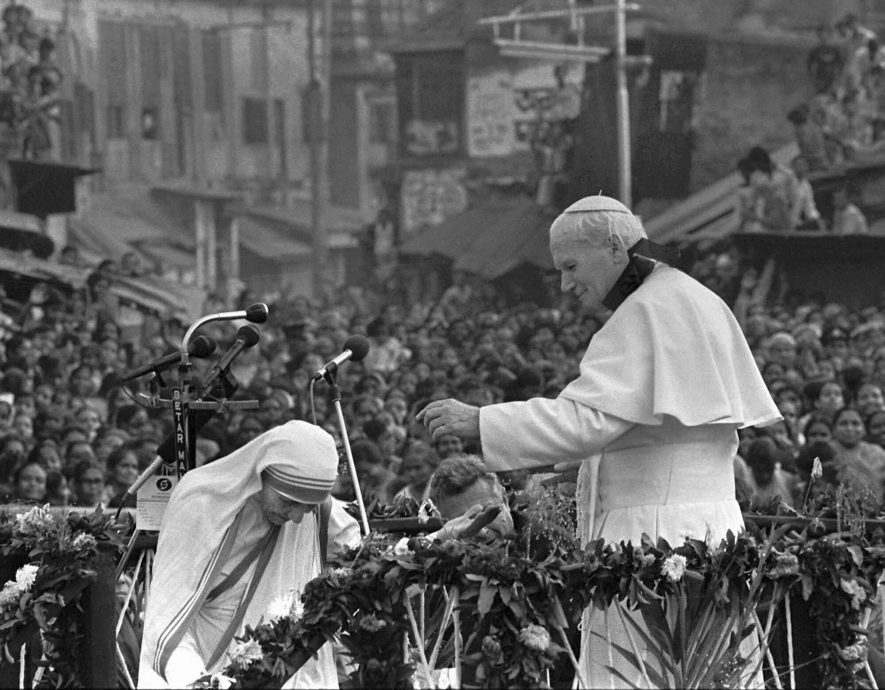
[(489, 239), (268, 242)]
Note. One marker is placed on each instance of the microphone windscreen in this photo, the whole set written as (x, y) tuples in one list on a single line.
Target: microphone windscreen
[(201, 346), (257, 313), (249, 334), (358, 346)]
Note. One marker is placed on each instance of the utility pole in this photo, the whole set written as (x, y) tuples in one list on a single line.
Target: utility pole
[(622, 106), (320, 76)]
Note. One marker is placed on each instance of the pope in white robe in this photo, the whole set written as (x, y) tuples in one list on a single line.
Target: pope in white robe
[(653, 415)]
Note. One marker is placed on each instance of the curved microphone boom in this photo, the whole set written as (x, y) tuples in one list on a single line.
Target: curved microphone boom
[(202, 347), (355, 349), (257, 313), (247, 336)]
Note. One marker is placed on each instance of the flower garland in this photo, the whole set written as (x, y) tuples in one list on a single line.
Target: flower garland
[(47, 560), (515, 610)]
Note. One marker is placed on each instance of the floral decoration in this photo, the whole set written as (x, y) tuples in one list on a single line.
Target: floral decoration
[(47, 560), (515, 609)]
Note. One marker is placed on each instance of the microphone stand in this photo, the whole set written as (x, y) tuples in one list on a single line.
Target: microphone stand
[(336, 400)]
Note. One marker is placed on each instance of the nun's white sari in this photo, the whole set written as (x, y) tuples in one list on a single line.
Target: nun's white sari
[(220, 565)]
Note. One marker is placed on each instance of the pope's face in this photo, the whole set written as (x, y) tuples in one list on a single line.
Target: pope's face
[(587, 269), (278, 509)]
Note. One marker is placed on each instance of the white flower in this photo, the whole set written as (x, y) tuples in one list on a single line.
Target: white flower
[(25, 576), (83, 541), (297, 610), (338, 573), (647, 560), (817, 470), (245, 653), (220, 681), (855, 590), (280, 607), (372, 624), (9, 595), (786, 565), (854, 652), (674, 567), (535, 637), (401, 548), (37, 519)]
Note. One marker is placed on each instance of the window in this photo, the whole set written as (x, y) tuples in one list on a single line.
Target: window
[(431, 102), (381, 122), (255, 121), (116, 122), (678, 98), (214, 101)]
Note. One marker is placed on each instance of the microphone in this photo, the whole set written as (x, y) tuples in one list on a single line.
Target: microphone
[(355, 348), (257, 313), (201, 347), (247, 336)]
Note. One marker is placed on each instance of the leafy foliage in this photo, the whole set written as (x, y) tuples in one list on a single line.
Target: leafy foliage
[(695, 601), (59, 553)]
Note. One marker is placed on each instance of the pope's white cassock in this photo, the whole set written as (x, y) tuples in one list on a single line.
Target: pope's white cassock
[(663, 387)]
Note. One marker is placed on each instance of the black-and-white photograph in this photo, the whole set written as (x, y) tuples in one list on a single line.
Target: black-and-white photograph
[(442, 344)]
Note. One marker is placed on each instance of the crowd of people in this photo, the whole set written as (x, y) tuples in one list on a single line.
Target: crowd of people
[(840, 125), (73, 435)]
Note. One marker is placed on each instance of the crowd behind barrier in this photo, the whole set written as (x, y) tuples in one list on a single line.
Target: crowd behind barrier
[(70, 434)]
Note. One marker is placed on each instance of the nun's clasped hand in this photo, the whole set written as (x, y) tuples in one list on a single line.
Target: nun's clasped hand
[(443, 417)]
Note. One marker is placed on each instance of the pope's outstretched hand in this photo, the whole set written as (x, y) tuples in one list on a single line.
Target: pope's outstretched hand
[(443, 417)]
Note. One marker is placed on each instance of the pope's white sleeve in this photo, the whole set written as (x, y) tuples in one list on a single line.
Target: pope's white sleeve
[(185, 664), (543, 431)]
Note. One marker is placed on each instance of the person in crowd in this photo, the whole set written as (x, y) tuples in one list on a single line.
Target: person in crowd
[(858, 463), (768, 479), (225, 552), (57, 491), (818, 428), (46, 453), (825, 61), (824, 398), (803, 210), (29, 482), (812, 142), (461, 488), (89, 484), (870, 398), (659, 455), (122, 471), (448, 445), (875, 425), (419, 462), (848, 219)]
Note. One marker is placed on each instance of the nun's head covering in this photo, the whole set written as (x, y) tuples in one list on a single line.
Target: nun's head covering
[(301, 465)]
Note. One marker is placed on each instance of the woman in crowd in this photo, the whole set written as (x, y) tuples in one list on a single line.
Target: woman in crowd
[(858, 463), (29, 483), (875, 423), (122, 471), (89, 483)]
